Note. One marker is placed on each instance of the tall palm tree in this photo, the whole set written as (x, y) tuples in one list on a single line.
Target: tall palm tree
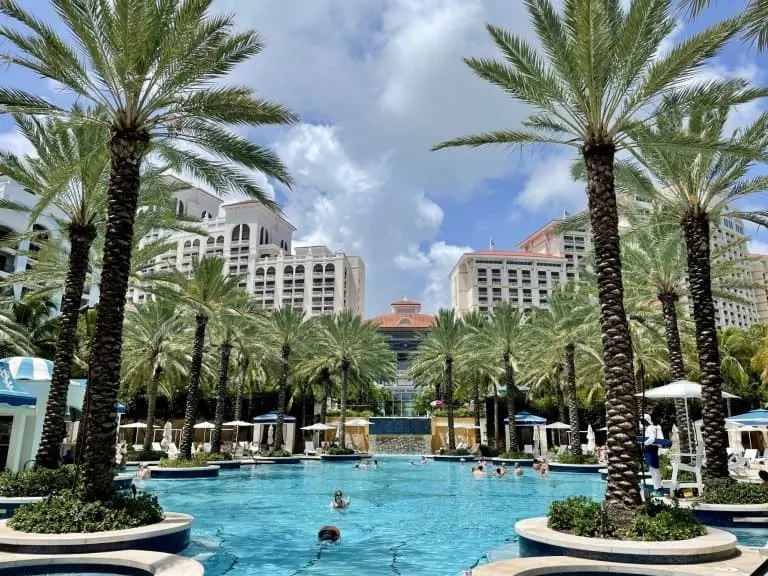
[(156, 69), (436, 356), (698, 190), (478, 373), (153, 347), (595, 78), (354, 347), (207, 293), (287, 336)]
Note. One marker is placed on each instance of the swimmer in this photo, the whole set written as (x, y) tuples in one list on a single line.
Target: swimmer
[(375, 463), (498, 473), (329, 534), (143, 472), (339, 501), (536, 465), (518, 469), (544, 469), (423, 459), (478, 472)]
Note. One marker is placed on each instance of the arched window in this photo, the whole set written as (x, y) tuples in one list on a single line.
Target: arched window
[(288, 270), (262, 236), (266, 237), (180, 208), (196, 244), (210, 241), (330, 269), (245, 233), (300, 269), (187, 244), (259, 272), (220, 240), (317, 269), (205, 214), (270, 271), (236, 233)]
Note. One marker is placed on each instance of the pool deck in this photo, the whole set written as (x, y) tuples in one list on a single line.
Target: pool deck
[(742, 565), (156, 563)]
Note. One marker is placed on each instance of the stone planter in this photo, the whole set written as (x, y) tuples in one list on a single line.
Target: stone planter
[(576, 468), (139, 562), (731, 515), (446, 458), (277, 460), (171, 535), (226, 464), (510, 462), (124, 481), (536, 539), (343, 457), (161, 473), (9, 505)]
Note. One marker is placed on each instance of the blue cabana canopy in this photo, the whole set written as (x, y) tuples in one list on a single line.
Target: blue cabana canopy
[(527, 419), (120, 408), (757, 417), (271, 418), (9, 394), (28, 368)]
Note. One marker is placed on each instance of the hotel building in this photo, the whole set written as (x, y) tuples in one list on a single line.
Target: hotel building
[(256, 244)]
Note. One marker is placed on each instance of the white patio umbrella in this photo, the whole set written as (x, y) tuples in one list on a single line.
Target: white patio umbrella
[(357, 423), (237, 424), (590, 439), (559, 426), (204, 426), (135, 426), (270, 434), (319, 427), (167, 435)]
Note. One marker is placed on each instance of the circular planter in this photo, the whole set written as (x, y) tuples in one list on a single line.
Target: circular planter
[(731, 515), (161, 473), (135, 561), (536, 539), (446, 458), (226, 464), (576, 468), (277, 460), (171, 535), (512, 461), (343, 457)]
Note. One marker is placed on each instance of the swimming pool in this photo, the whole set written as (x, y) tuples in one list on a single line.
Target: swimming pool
[(403, 519)]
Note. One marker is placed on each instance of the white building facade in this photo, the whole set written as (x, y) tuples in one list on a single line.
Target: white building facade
[(256, 244)]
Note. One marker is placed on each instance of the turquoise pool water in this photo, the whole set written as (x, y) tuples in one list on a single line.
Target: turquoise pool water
[(404, 519)]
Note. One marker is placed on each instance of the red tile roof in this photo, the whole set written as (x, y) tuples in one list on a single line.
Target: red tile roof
[(404, 321), (406, 302), (515, 253)]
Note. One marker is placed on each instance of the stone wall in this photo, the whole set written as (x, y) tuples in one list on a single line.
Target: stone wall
[(400, 444)]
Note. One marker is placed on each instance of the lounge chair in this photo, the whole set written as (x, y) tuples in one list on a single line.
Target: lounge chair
[(156, 447), (173, 451), (138, 447), (528, 449), (254, 448), (309, 448), (695, 467)]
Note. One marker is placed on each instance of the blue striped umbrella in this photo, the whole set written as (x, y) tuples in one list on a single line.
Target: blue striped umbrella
[(9, 394), (28, 368)]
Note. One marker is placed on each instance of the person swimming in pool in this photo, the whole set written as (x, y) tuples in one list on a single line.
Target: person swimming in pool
[(339, 501)]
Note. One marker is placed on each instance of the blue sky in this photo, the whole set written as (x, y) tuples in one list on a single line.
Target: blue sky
[(376, 84)]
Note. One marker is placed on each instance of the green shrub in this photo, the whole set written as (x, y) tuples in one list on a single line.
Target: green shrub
[(488, 451), (277, 453), (218, 456), (37, 481), (657, 522), (457, 413), (197, 461), (582, 517), (70, 513), (454, 452), (576, 459), (737, 493), (351, 412), (144, 456), (516, 456), (667, 523)]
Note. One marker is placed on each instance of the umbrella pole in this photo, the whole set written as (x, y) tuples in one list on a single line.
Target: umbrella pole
[(692, 440)]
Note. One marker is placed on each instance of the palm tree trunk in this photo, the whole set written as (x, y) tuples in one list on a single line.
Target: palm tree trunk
[(190, 413), (676, 364), (561, 407), (151, 407), (448, 391), (281, 391), (478, 436), (622, 493), (573, 406), (127, 150), (500, 440), (238, 415), (326, 376), (343, 412), (54, 428), (221, 392), (696, 229), (509, 380)]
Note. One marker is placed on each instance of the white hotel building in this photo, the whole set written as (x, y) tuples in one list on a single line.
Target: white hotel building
[(549, 256), (256, 243)]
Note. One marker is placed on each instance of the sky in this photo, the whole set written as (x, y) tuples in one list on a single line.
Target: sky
[(377, 83)]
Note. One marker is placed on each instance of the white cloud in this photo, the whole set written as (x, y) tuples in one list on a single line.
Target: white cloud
[(758, 247), (550, 185), (354, 206), (15, 143)]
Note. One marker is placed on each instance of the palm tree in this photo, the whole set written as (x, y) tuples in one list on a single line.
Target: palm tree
[(755, 19), (596, 78), (436, 356), (478, 373), (352, 346), (207, 293), (156, 68), (697, 190), (287, 336), (153, 347)]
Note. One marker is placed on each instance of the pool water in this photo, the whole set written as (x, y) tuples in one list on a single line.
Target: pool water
[(403, 519)]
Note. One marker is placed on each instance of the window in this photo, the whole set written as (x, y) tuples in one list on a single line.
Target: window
[(330, 269), (180, 209)]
